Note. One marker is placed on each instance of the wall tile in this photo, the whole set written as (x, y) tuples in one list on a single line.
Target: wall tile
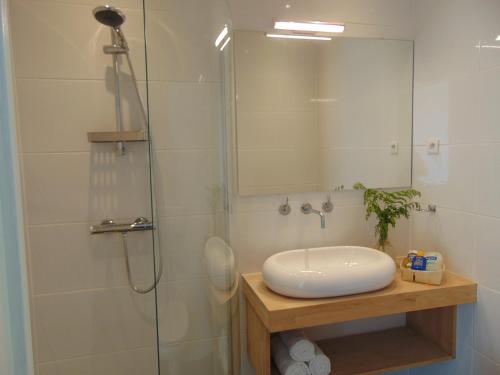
[(131, 4), (490, 11), (98, 183), (183, 242), (486, 324), (447, 179), (95, 322), (55, 115), (487, 130), (174, 123), (191, 305), (44, 32), (195, 357), (258, 235), (484, 366), (130, 362), (191, 36), (449, 232), (487, 251), (188, 181), (68, 252)]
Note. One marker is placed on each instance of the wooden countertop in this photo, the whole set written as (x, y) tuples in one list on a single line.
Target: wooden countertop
[(280, 313)]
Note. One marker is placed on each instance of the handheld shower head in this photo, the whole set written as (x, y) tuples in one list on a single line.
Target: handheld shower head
[(109, 16), (114, 18)]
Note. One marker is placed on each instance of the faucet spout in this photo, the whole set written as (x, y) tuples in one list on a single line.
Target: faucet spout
[(307, 209)]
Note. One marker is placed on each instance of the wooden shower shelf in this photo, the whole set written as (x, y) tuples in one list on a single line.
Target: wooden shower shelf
[(428, 337), (125, 136)]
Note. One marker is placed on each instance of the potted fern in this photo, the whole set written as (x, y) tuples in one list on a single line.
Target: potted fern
[(388, 207)]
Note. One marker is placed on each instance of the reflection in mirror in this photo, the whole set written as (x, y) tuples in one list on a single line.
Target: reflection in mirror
[(313, 115)]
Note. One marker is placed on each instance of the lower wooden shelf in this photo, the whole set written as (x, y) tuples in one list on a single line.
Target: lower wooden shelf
[(381, 352), (428, 337)]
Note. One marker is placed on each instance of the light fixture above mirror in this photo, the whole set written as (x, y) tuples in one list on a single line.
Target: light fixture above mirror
[(297, 36), (320, 27)]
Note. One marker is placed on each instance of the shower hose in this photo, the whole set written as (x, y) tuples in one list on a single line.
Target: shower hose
[(129, 272)]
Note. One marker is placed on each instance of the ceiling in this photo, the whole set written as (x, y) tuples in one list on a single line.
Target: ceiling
[(371, 18)]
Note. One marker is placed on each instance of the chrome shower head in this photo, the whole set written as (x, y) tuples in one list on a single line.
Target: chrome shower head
[(109, 16)]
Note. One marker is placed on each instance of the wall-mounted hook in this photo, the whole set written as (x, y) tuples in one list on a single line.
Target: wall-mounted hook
[(285, 208), (328, 205), (432, 208)]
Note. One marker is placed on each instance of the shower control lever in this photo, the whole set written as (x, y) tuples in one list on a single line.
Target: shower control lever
[(109, 226)]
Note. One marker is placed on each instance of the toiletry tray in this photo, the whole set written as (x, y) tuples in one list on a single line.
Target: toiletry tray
[(424, 277)]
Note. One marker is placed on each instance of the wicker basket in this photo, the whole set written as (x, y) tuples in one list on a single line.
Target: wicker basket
[(425, 277)]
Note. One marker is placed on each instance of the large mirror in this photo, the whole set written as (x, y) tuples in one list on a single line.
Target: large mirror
[(316, 115)]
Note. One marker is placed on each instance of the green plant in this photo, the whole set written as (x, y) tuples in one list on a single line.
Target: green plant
[(388, 207)]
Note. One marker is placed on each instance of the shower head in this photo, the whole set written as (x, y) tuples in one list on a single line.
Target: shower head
[(114, 18), (109, 16)]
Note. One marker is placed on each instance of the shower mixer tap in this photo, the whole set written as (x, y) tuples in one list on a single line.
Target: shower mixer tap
[(110, 226)]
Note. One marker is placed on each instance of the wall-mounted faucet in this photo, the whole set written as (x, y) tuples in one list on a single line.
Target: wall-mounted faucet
[(307, 209)]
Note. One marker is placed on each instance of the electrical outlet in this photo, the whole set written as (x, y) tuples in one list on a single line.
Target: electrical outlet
[(433, 146), (394, 148)]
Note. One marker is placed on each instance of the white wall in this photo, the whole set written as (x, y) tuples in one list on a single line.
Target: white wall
[(457, 96), (85, 317)]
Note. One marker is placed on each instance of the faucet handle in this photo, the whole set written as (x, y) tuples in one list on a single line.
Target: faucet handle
[(328, 205), (285, 208), (306, 208)]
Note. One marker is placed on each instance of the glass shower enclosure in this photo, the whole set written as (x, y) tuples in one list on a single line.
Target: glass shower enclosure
[(196, 298)]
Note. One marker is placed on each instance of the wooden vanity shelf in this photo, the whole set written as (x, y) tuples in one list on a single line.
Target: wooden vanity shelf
[(428, 337), (125, 136)]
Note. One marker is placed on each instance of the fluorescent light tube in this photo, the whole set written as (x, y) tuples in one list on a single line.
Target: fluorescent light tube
[(294, 36), (221, 36), (309, 26), (225, 43), (498, 38)]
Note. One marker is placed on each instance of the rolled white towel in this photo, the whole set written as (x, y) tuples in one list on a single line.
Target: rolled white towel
[(301, 349), (285, 364), (320, 364)]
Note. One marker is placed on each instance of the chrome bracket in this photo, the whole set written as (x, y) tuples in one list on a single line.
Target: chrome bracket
[(431, 208)]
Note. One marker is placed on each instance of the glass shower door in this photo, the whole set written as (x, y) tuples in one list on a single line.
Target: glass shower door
[(185, 91)]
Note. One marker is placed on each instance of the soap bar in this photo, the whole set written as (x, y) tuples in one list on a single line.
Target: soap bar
[(419, 263), (434, 261)]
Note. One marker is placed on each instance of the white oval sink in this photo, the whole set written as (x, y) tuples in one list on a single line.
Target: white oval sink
[(328, 271)]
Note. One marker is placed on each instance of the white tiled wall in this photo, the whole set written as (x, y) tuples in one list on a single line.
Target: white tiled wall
[(86, 319), (457, 91)]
